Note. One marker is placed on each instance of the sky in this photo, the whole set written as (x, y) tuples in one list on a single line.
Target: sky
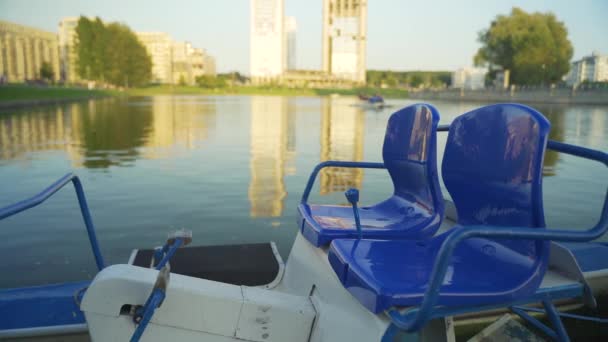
[(402, 34)]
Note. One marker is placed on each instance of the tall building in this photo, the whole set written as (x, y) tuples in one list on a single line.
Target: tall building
[(23, 50), (182, 68), (267, 60), (67, 35), (159, 46), (209, 65), (290, 42), (175, 62), (197, 62), (469, 78), (344, 39), (592, 68)]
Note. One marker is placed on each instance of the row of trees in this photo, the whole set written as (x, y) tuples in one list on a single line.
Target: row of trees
[(221, 80), (533, 46), (410, 79), (110, 53)]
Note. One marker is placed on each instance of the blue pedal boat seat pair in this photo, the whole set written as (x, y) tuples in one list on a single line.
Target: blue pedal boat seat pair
[(416, 207), (492, 168)]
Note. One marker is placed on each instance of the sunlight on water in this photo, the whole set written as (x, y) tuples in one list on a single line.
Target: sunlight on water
[(231, 168)]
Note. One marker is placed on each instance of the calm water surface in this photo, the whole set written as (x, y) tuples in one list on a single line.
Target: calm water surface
[(230, 168)]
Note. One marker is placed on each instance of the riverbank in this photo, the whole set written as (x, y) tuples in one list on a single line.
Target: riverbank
[(276, 91), (12, 96), (532, 95)]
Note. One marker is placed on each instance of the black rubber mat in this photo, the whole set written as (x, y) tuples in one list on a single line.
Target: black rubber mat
[(250, 264)]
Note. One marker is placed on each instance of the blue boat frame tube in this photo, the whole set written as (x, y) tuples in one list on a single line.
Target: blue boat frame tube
[(414, 319), (335, 163), (50, 191)]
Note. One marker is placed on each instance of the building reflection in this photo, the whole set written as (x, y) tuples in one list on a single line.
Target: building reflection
[(178, 124), (591, 127), (342, 132), (29, 132), (109, 132), (272, 153)]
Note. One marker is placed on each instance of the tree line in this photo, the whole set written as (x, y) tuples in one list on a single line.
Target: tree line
[(111, 54), (408, 79)]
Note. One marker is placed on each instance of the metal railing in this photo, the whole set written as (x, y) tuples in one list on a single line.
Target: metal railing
[(50, 191)]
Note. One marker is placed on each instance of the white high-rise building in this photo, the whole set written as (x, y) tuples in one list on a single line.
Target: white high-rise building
[(344, 39), (67, 54), (159, 46), (592, 68), (469, 78), (267, 52), (290, 42)]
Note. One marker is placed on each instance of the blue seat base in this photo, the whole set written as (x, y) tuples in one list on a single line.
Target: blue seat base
[(41, 306), (391, 219), (386, 273)]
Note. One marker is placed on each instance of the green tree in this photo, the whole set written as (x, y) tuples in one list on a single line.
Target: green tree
[(182, 80), (533, 46), (46, 71), (110, 54), (206, 81)]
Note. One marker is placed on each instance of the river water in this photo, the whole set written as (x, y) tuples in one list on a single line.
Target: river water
[(230, 168)]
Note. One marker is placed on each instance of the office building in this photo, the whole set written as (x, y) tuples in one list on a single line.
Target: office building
[(469, 78), (290, 42), (267, 52), (159, 46), (24, 49), (592, 68), (344, 39), (67, 54)]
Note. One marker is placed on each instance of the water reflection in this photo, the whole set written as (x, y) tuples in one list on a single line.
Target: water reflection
[(556, 115), (272, 154), (26, 132), (111, 132), (342, 134), (178, 124), (106, 135), (232, 158)]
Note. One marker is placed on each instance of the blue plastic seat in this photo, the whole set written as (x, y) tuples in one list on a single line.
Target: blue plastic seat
[(492, 168), (416, 207)]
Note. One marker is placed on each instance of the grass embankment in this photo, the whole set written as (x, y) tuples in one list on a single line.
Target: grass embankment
[(24, 94), (193, 90), (18, 93)]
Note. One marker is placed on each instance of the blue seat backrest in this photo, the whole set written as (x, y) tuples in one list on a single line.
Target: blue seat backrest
[(492, 168), (410, 156)]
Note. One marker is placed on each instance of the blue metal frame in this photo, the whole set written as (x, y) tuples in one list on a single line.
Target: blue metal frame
[(50, 191), (154, 301), (563, 314), (335, 163), (414, 319), (144, 314)]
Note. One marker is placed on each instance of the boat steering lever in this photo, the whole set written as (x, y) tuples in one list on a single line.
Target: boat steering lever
[(352, 195), (143, 314)]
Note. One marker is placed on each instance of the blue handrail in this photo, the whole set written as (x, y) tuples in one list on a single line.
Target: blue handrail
[(335, 163), (413, 320), (50, 191)]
